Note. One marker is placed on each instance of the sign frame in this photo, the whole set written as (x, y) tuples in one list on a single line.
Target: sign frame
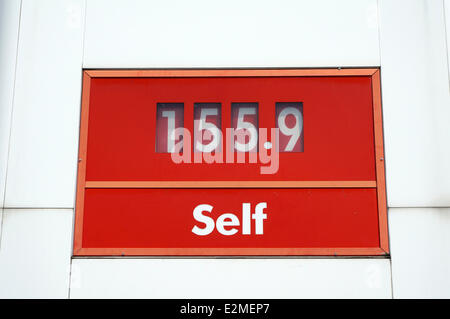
[(379, 183)]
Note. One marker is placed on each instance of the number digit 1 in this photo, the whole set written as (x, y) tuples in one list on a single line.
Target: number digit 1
[(170, 130)]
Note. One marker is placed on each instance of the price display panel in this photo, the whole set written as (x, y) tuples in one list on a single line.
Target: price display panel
[(231, 162)]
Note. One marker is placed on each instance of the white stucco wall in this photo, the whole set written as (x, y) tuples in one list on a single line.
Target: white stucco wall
[(44, 46)]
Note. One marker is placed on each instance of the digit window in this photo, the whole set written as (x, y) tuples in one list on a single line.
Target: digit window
[(244, 121), (169, 118), (207, 127), (289, 120)]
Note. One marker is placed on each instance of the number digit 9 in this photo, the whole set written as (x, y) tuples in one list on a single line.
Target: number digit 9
[(295, 131)]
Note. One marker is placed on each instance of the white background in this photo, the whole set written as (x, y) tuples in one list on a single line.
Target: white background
[(44, 46)]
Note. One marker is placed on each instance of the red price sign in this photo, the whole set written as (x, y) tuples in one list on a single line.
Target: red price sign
[(154, 177)]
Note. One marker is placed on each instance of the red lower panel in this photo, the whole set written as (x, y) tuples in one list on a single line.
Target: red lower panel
[(163, 218)]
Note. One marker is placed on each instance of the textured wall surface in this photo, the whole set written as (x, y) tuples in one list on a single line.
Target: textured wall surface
[(44, 133), (230, 278), (35, 253), (420, 242), (416, 103), (9, 34), (45, 44), (255, 33)]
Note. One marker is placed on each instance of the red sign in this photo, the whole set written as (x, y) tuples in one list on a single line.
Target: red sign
[(231, 162)]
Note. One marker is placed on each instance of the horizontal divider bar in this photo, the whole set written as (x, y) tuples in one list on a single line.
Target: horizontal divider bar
[(369, 251), (231, 184), (230, 73)]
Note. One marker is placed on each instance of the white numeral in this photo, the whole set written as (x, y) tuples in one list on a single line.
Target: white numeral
[(211, 127), (293, 132), (249, 127), (170, 130)]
